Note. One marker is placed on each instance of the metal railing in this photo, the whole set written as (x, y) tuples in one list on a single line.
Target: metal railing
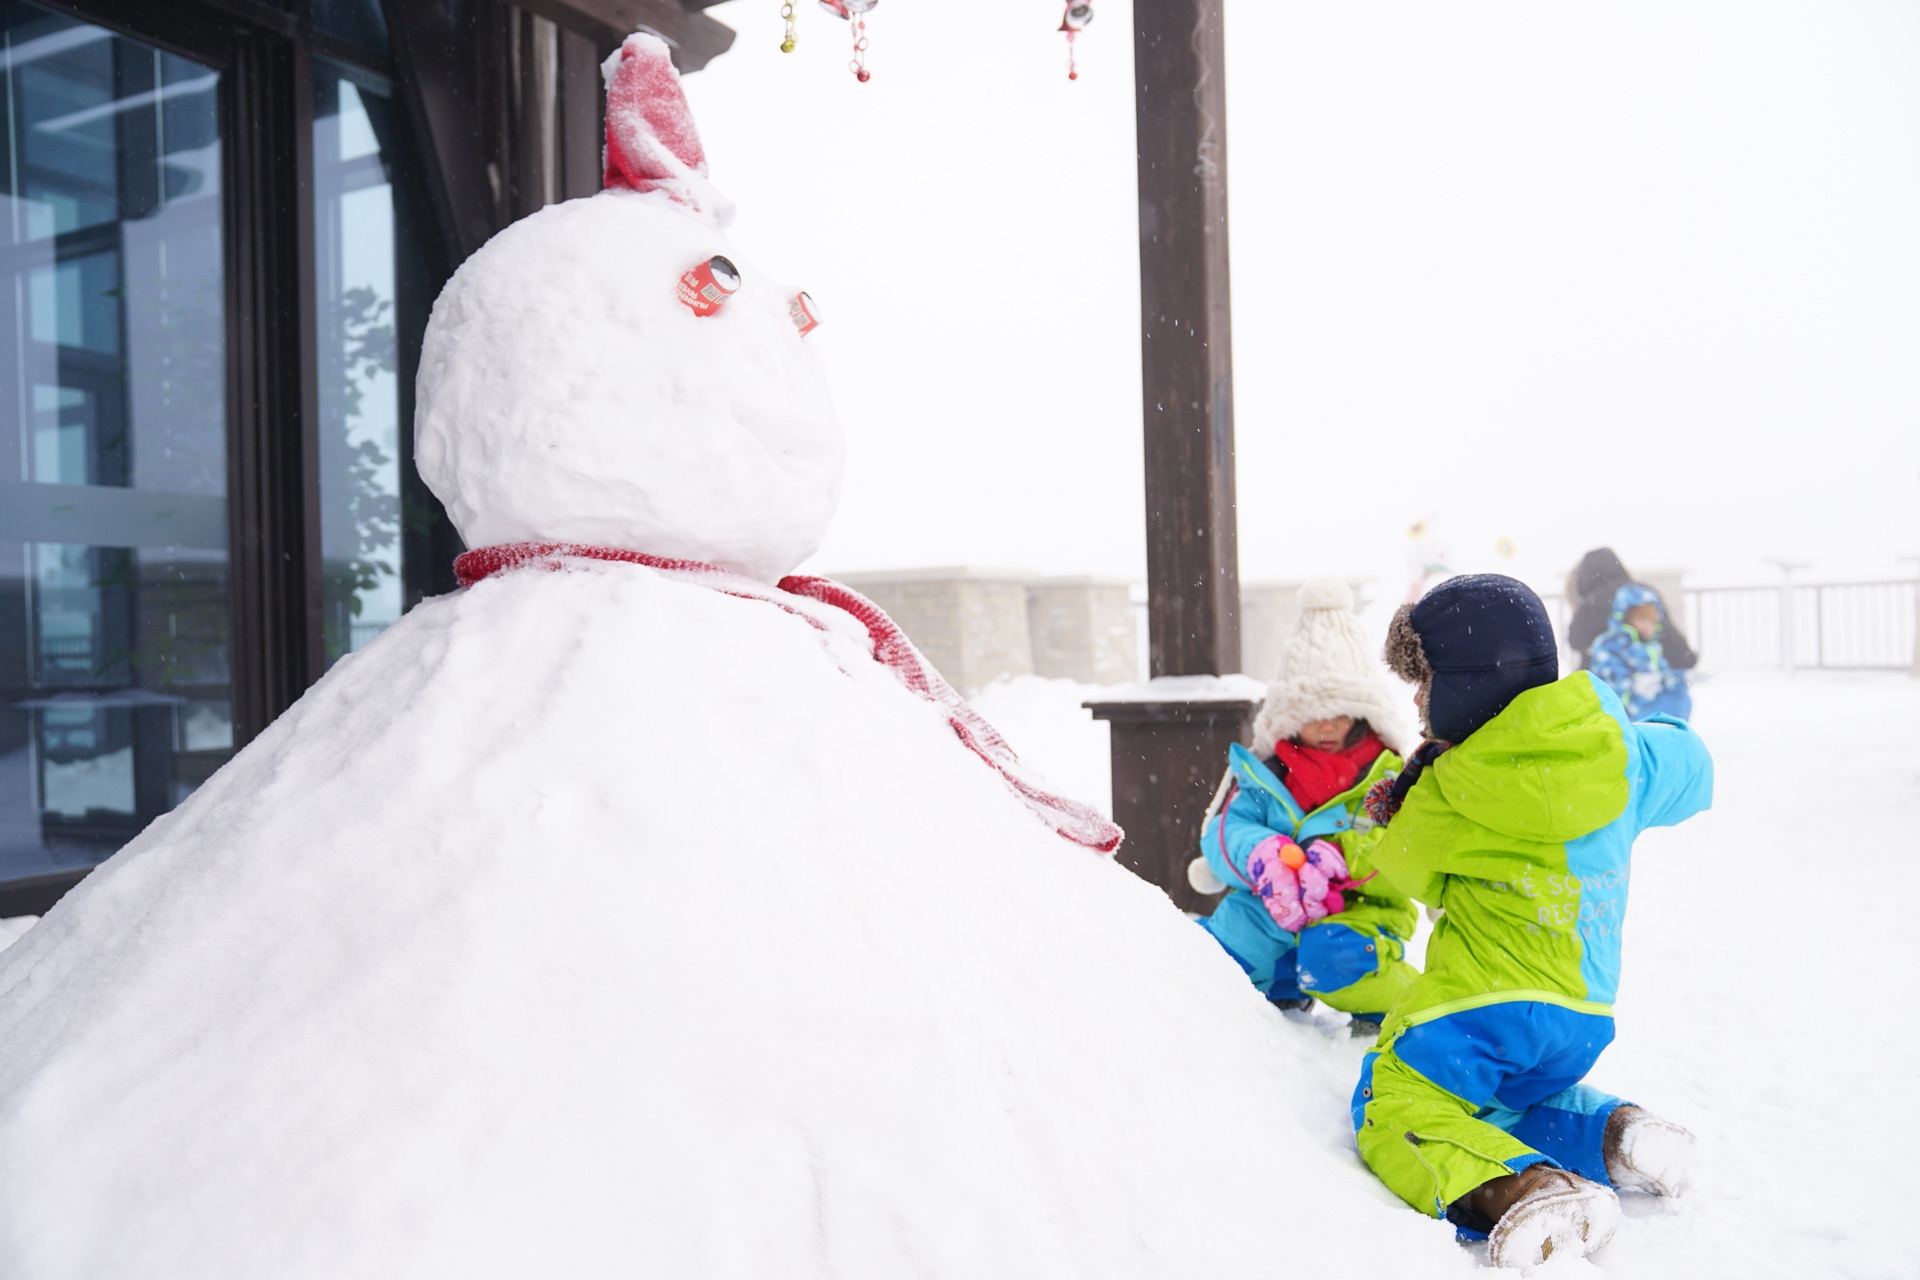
[(1830, 626), (1835, 626)]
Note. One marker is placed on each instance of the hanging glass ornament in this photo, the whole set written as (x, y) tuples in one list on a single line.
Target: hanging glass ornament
[(1079, 13), (854, 12), (787, 43)]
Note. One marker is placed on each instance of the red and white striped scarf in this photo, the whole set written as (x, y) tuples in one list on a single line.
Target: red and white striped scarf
[(889, 647)]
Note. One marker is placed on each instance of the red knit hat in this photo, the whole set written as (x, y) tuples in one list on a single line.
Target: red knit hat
[(652, 144)]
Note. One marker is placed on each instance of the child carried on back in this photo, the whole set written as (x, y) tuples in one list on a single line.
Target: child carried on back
[(1630, 657), (1304, 915)]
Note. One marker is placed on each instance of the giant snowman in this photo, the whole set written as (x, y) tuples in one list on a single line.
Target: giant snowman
[(628, 913)]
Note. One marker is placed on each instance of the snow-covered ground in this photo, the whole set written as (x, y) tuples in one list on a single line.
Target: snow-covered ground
[(1770, 957)]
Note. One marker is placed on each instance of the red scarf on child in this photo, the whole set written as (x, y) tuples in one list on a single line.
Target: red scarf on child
[(1315, 776)]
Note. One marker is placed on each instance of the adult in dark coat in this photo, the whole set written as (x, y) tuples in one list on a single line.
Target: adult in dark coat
[(1591, 589)]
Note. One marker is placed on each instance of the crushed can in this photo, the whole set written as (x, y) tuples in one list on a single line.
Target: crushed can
[(706, 286), (805, 316)]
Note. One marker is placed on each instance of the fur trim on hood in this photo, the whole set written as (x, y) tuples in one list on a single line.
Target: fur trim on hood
[(1405, 657)]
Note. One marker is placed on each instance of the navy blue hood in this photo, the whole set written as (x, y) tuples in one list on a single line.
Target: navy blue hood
[(1483, 640)]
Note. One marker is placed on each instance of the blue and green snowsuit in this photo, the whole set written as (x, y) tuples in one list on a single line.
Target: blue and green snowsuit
[(1353, 961), (1635, 669), (1524, 834)]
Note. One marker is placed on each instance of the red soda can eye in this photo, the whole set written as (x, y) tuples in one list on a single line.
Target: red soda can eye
[(805, 316), (706, 286)]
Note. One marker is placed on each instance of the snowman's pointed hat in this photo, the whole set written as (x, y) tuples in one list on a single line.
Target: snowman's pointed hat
[(652, 144)]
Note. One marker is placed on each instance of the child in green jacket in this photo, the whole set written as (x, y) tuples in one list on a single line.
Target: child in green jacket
[(1521, 829)]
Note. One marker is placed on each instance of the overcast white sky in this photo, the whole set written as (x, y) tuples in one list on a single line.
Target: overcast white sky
[(1645, 273)]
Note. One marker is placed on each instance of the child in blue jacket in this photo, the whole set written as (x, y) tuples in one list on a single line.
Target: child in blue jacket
[(1628, 656), (1286, 839)]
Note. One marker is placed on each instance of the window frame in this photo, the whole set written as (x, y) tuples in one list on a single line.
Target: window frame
[(265, 58)]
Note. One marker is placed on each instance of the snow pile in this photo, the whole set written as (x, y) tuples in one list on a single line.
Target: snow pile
[(1046, 724), (646, 941)]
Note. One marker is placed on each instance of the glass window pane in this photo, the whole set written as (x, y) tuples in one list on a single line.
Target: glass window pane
[(115, 621), (359, 386)]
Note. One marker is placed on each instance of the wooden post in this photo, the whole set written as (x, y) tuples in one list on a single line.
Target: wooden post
[(1168, 756), (1169, 751), (1180, 105)]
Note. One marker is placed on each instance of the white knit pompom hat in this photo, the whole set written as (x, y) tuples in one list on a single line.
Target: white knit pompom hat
[(1328, 669)]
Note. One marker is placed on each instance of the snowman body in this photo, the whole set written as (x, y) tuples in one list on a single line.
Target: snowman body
[(600, 920)]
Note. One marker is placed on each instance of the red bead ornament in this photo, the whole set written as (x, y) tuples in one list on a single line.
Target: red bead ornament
[(1078, 14), (854, 12)]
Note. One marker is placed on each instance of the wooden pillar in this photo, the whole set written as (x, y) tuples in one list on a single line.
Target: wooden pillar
[(1169, 751), (1180, 104)]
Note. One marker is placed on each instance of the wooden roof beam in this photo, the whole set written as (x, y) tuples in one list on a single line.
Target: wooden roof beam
[(695, 38)]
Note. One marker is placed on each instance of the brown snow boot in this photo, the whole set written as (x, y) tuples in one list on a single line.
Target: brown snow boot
[(1646, 1153), (1542, 1212)]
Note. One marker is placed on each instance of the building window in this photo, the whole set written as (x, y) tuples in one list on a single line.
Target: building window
[(115, 614), (358, 358), (358, 22)]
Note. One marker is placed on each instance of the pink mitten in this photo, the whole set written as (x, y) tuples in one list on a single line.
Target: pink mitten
[(1272, 868), (1330, 877), (1326, 855)]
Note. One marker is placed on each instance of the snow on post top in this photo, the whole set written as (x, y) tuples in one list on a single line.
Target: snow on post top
[(652, 144)]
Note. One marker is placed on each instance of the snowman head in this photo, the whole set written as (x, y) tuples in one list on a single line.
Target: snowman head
[(567, 395)]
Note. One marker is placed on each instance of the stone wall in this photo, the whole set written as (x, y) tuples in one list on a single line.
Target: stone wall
[(981, 625), (1083, 629), (1268, 611), (970, 623)]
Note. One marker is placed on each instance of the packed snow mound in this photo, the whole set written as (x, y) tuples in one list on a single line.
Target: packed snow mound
[(566, 395), (478, 963)]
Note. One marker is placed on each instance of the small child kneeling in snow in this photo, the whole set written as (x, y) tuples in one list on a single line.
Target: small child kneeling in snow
[(1304, 914), (1628, 655), (1522, 829)]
